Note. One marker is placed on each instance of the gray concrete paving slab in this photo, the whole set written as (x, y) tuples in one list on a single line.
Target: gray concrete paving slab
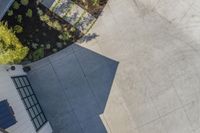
[(157, 81), (93, 126)]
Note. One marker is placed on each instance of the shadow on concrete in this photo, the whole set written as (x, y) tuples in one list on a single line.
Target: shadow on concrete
[(73, 87), (88, 37)]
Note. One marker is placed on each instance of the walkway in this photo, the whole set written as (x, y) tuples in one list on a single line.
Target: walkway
[(72, 13), (69, 90), (157, 83)]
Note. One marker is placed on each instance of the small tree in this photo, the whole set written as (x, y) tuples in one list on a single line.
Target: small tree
[(11, 49)]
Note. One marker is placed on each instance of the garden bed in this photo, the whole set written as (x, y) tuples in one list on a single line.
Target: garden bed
[(39, 29), (43, 31), (94, 7)]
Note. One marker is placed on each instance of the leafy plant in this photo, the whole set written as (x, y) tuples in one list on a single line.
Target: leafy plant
[(18, 29), (59, 45), (19, 18), (38, 54), (57, 25), (44, 18), (48, 46), (24, 2), (40, 12), (34, 45), (54, 50), (51, 23), (16, 5), (10, 12), (64, 36), (29, 13), (42, 45), (64, 43), (11, 49)]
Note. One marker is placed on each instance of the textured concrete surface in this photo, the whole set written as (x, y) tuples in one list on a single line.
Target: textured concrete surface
[(156, 86)]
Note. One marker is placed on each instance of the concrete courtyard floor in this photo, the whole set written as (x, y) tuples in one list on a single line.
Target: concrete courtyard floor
[(156, 88), (157, 84)]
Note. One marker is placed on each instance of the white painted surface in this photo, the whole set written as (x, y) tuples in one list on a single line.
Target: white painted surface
[(46, 128), (8, 91)]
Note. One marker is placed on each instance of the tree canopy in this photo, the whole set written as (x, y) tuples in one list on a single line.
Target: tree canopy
[(11, 49)]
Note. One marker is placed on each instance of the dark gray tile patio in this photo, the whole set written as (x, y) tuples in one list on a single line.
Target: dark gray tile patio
[(73, 86), (93, 125)]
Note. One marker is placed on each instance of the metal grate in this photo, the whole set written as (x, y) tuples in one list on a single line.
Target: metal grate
[(30, 101)]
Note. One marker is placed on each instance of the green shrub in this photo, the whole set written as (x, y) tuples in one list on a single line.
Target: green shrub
[(38, 54), (10, 12), (18, 29), (56, 25), (44, 18), (52, 24), (16, 5), (64, 43), (59, 45), (24, 2), (29, 13), (48, 46), (19, 18), (64, 36), (54, 50), (11, 49), (35, 45), (40, 12)]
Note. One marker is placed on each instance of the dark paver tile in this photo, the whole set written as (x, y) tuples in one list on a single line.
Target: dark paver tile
[(73, 86), (66, 123), (93, 125)]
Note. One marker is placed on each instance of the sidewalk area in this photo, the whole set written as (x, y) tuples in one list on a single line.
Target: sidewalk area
[(72, 13), (156, 88)]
